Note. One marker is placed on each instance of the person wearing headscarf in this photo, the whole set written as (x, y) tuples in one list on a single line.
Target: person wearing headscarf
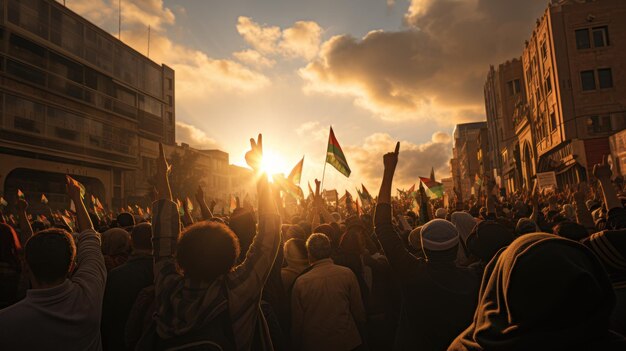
[(115, 247), (610, 247), (464, 223), (542, 292)]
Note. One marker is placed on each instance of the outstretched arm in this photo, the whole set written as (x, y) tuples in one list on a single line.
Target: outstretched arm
[(399, 258), (204, 209), (26, 231)]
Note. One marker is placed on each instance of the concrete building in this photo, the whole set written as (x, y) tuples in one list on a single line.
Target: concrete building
[(465, 152), (75, 100), (504, 91), (575, 80)]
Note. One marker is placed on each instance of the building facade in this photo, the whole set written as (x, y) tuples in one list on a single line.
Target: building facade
[(504, 91), (575, 69), (465, 165), (573, 100), (75, 100)]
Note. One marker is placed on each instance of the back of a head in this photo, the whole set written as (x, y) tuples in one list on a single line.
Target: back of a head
[(526, 226), (125, 219), (570, 230), (441, 213), (141, 237), (243, 224), (331, 232), (115, 241), (49, 255), (487, 238), (351, 241), (295, 252), (440, 240), (207, 250), (318, 247)]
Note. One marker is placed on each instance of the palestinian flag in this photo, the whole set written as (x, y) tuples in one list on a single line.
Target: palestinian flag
[(44, 199), (296, 172), (189, 205), (20, 195), (287, 187), (335, 156), (3, 202), (435, 189)]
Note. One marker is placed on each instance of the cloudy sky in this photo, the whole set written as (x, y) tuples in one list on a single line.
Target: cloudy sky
[(376, 70)]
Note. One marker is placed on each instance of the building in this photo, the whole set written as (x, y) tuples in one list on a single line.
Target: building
[(75, 100), (504, 91), (575, 80), (465, 165)]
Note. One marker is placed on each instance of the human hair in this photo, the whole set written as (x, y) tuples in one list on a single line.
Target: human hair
[(207, 250), (125, 219), (318, 247), (141, 237), (49, 255)]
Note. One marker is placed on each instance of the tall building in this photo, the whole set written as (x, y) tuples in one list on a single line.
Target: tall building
[(465, 165), (575, 80), (504, 91), (75, 100)]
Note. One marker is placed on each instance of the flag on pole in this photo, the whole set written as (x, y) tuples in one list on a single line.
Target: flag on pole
[(20, 195), (296, 173), (478, 181), (366, 194), (3, 202), (335, 156), (44, 199), (181, 211), (432, 173), (411, 189), (189, 205), (435, 189)]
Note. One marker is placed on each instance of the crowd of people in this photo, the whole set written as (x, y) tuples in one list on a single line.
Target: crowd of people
[(527, 271)]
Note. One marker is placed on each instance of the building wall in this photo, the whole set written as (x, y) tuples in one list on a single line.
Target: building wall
[(72, 94)]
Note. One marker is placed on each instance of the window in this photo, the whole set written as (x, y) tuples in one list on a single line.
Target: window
[(582, 39), (513, 87), (548, 84), (600, 36), (25, 72), (588, 80), (599, 124), (170, 85), (169, 100), (552, 121), (516, 86), (27, 51), (509, 86), (605, 78), (544, 50)]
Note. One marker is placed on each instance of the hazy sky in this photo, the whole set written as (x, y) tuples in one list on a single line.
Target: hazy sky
[(376, 70)]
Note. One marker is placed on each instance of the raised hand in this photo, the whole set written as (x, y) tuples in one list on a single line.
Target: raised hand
[(254, 157), (390, 160), (163, 169), (73, 190), (602, 171)]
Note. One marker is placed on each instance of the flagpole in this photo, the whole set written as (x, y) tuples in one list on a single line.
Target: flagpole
[(323, 175)]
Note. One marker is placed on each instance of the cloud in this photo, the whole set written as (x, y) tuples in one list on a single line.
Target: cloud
[(414, 160), (197, 74), (302, 40), (432, 69), (195, 137), (254, 58), (313, 131)]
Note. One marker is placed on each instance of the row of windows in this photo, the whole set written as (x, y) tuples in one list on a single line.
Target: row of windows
[(29, 116), (604, 79), (596, 37), (70, 33), (30, 52)]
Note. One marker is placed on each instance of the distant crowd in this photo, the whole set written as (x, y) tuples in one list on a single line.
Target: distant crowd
[(532, 270)]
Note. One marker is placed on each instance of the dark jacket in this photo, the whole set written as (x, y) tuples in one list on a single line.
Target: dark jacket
[(123, 285), (438, 298)]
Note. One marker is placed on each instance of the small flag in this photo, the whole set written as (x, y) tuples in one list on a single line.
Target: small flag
[(76, 182), (411, 189), (130, 209), (181, 211), (435, 189), (72, 206), (3, 202), (44, 199), (478, 181), (20, 195), (296, 172), (366, 193), (335, 156), (189, 205)]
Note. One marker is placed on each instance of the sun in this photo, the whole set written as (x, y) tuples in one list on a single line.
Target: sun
[(272, 163)]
